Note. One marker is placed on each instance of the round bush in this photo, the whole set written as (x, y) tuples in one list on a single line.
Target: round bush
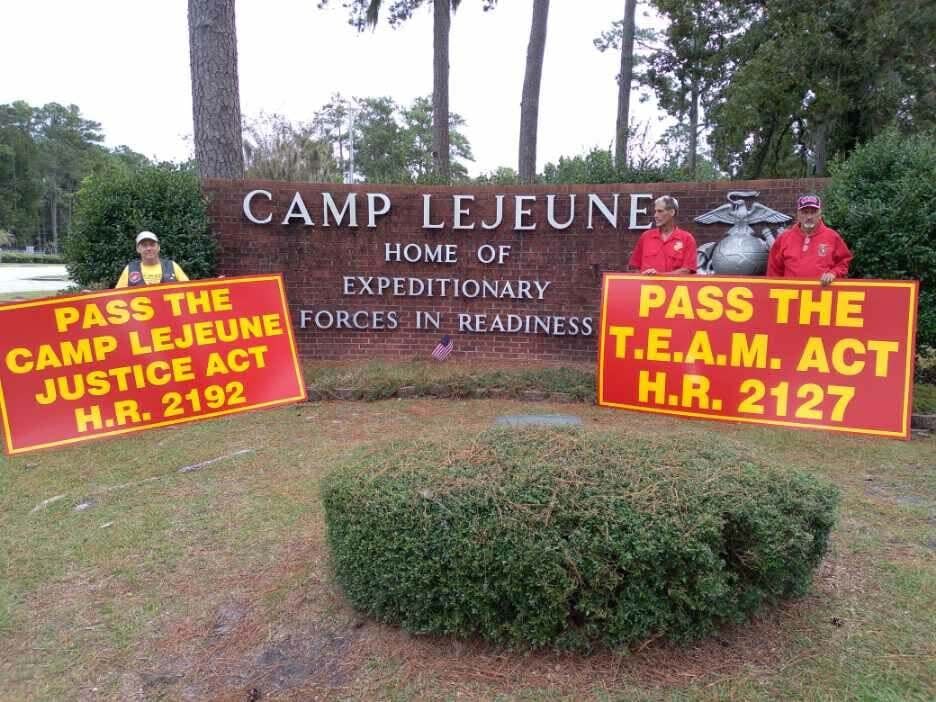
[(569, 538), (113, 206)]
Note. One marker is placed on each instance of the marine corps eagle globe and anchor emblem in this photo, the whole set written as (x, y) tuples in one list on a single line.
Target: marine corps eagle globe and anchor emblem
[(741, 251)]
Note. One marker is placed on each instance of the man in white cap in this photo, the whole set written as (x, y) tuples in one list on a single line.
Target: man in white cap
[(150, 269), (809, 248)]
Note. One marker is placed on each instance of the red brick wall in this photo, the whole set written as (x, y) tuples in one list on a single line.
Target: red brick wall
[(314, 259)]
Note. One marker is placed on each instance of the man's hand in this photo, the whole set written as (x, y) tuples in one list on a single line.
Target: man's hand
[(826, 278), (648, 271)]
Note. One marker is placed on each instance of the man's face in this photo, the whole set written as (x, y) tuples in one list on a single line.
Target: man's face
[(808, 218), (663, 216), (149, 251)]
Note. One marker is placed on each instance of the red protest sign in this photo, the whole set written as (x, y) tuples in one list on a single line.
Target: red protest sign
[(762, 350), (99, 364)]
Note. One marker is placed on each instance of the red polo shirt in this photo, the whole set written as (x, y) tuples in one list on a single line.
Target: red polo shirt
[(794, 255), (678, 251)]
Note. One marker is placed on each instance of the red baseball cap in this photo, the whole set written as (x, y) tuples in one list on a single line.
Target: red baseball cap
[(809, 201)]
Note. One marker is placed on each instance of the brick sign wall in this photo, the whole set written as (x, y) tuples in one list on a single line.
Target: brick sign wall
[(378, 271)]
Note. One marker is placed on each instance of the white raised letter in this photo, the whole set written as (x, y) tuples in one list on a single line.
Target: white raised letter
[(500, 215), (328, 205), (635, 197), (551, 212), (371, 212), (594, 200), (303, 213), (519, 212), (456, 219), (247, 211), (427, 200)]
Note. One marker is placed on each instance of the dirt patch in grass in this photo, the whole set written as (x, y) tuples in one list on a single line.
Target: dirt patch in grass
[(275, 631), (239, 650), (311, 645)]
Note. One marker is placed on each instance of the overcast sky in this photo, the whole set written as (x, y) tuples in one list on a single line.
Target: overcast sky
[(125, 63)]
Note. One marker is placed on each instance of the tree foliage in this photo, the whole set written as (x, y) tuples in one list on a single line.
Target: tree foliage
[(780, 89), (503, 175), (114, 205), (45, 153), (391, 143), (813, 81), (883, 201), (331, 124), (20, 172), (598, 166), (276, 149), (366, 13), (694, 61)]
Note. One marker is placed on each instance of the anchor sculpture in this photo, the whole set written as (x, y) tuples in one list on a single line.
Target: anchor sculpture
[(741, 252)]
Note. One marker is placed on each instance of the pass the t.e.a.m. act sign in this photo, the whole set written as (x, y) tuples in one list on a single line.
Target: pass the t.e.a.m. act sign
[(763, 350), (94, 365)]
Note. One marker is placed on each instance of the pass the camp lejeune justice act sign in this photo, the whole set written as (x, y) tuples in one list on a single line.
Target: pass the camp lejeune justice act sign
[(117, 361), (762, 350)]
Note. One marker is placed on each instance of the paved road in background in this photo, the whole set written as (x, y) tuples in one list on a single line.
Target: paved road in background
[(32, 277)]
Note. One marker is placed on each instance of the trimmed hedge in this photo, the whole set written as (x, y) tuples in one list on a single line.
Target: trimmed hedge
[(379, 380), (570, 539)]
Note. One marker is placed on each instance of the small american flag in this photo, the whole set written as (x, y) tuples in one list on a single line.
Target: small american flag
[(443, 348)]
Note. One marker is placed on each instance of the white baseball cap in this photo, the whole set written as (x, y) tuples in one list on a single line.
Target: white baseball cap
[(142, 236)]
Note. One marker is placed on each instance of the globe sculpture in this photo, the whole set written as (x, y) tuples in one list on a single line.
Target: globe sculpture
[(740, 255), (741, 252)]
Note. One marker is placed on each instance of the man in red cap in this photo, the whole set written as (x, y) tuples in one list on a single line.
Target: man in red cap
[(665, 248), (809, 248)]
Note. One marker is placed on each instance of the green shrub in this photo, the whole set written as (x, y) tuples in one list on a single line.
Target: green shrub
[(926, 364), (883, 201), (924, 399), (115, 205), (597, 166), (570, 539), (379, 380)]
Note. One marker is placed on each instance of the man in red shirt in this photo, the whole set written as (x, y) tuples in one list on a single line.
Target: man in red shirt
[(666, 248), (809, 248)]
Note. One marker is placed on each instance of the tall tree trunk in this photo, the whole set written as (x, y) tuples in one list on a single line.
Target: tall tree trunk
[(529, 105), (441, 23), (215, 90), (693, 127), (625, 78)]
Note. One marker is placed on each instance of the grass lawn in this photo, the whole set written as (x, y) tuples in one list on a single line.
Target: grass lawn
[(123, 577)]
